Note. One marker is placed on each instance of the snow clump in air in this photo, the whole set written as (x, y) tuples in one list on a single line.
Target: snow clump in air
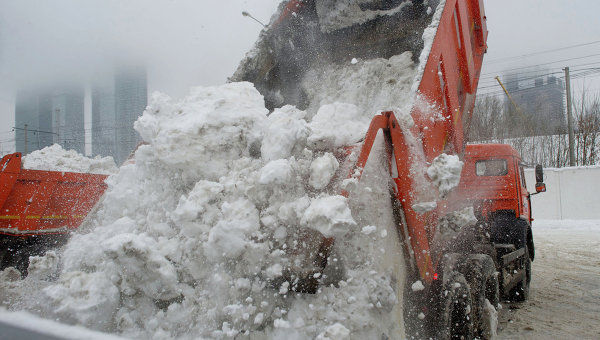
[(444, 172), (55, 158)]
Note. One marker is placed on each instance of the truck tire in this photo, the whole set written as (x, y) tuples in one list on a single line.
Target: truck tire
[(455, 320), (520, 292), (483, 281)]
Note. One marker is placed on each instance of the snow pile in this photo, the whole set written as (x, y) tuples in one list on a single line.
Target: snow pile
[(55, 158), (216, 224)]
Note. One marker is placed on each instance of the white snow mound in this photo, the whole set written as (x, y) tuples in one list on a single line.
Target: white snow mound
[(193, 238), (55, 158)]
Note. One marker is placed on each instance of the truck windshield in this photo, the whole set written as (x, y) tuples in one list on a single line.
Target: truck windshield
[(491, 167)]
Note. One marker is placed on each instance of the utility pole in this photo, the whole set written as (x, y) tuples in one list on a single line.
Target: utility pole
[(57, 118), (570, 119), (25, 138)]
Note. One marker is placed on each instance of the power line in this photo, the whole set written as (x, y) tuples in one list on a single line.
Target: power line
[(591, 70), (548, 63), (493, 61), (29, 130), (548, 69)]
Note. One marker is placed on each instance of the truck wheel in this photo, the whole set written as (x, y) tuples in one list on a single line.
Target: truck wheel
[(456, 321), (520, 292), (483, 281)]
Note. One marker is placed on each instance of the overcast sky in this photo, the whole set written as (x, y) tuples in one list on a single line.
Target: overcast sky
[(200, 42)]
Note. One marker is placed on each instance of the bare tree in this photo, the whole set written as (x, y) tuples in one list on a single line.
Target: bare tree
[(493, 123)]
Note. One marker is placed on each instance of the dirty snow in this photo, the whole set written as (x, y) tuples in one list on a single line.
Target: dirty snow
[(231, 204), (372, 85), (55, 158), (335, 14), (428, 38), (564, 297)]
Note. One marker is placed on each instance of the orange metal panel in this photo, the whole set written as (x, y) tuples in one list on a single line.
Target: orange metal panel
[(38, 201)]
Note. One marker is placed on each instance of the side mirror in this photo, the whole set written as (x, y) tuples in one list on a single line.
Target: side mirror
[(539, 174), (540, 187), (539, 179)]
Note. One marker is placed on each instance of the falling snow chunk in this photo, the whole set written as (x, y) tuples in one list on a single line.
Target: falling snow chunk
[(354, 61), (417, 286), (336, 331), (369, 229), (444, 172), (280, 323), (424, 207), (322, 169)]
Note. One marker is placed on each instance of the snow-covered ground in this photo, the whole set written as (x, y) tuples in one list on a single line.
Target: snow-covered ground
[(564, 300), (564, 297)]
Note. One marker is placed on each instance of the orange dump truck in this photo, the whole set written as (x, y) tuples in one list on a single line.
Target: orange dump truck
[(459, 281), (39, 209)]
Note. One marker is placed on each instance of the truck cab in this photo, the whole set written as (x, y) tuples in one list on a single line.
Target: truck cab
[(493, 182)]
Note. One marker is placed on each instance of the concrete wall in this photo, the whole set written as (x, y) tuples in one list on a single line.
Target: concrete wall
[(572, 193)]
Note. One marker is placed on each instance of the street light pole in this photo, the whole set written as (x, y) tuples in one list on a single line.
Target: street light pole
[(570, 118), (246, 14), (25, 138)]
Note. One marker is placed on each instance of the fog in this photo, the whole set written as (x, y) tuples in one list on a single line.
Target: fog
[(183, 43)]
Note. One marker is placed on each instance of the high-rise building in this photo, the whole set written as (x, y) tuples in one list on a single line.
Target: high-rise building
[(27, 119), (103, 120), (131, 98), (116, 106), (540, 99), (50, 115), (67, 105)]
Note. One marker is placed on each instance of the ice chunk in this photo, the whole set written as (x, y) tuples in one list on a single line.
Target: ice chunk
[(367, 230), (338, 124), (329, 215), (276, 172), (445, 172), (421, 208), (230, 236), (322, 170), (336, 331), (285, 134), (417, 286)]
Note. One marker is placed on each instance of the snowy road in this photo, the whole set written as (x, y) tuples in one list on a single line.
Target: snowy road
[(565, 291), (564, 298)]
